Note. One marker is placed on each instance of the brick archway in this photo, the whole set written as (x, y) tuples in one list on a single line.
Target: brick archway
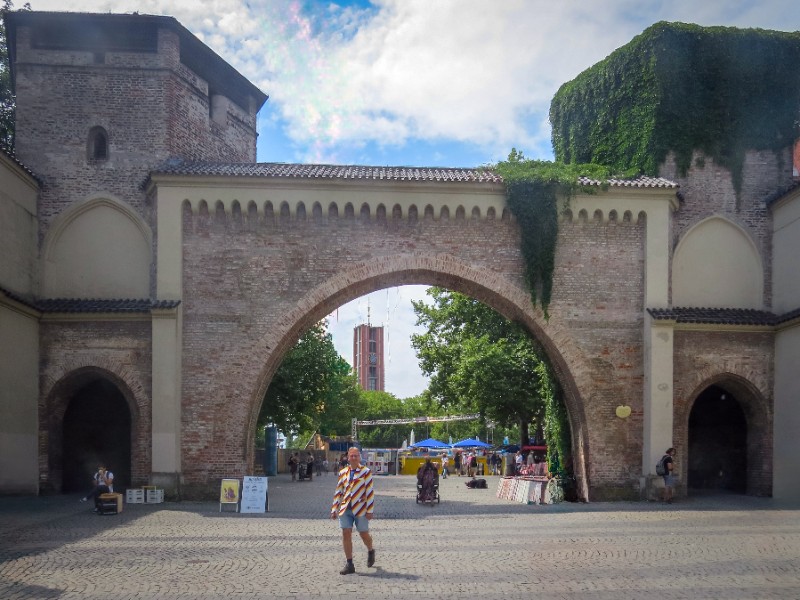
[(59, 389), (758, 418), (445, 271)]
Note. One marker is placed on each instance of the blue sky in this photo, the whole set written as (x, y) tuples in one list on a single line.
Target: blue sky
[(419, 82)]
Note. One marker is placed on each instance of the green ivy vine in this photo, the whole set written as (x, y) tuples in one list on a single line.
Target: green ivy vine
[(533, 188), (680, 88)]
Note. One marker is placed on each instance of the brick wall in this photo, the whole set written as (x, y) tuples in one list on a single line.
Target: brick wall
[(151, 106), (707, 190), (742, 363), (72, 355), (251, 288)]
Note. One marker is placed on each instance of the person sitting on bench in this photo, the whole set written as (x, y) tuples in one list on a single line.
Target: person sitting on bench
[(103, 484)]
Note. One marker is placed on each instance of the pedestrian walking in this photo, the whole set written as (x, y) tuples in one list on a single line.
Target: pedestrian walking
[(445, 462), (669, 477), (354, 505)]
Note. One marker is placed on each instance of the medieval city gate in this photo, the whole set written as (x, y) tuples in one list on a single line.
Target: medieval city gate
[(257, 257), (177, 299)]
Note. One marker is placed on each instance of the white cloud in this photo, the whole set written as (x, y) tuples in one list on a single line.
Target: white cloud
[(401, 71)]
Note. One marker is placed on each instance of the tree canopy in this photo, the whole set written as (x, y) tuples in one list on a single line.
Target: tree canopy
[(314, 389), (479, 361)]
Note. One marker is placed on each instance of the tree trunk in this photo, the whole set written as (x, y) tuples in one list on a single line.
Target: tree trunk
[(523, 432)]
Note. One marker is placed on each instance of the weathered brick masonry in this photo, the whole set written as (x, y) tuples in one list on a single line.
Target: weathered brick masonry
[(73, 354), (243, 280)]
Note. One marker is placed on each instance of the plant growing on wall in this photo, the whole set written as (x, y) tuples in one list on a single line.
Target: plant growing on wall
[(533, 188), (680, 88)]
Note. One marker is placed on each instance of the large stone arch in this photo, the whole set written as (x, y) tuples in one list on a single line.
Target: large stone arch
[(58, 388), (744, 386), (447, 271)]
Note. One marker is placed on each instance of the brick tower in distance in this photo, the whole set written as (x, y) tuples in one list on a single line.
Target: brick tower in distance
[(368, 360), (104, 98)]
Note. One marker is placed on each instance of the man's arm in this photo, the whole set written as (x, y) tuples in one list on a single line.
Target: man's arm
[(370, 495), (337, 496)]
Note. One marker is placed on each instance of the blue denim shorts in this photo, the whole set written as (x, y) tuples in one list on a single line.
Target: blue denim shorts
[(347, 520), (670, 480)]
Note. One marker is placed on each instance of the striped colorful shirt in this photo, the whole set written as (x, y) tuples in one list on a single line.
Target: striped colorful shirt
[(356, 492)]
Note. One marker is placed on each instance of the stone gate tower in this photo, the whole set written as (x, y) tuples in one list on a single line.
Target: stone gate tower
[(102, 99)]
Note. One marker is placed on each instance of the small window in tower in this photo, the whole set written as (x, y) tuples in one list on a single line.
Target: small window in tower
[(97, 147)]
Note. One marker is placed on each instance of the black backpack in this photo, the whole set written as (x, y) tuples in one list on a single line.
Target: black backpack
[(661, 466)]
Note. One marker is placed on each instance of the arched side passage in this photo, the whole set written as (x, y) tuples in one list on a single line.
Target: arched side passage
[(58, 390), (758, 416), (445, 271)]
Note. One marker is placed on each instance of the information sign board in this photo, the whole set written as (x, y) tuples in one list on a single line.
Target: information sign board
[(254, 494)]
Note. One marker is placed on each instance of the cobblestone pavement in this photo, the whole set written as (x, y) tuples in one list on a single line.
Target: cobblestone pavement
[(472, 545)]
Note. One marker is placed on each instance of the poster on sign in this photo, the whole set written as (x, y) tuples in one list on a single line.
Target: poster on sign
[(229, 493), (254, 495)]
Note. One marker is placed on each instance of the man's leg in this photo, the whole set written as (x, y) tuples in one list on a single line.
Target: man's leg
[(100, 489), (367, 539), (347, 545)]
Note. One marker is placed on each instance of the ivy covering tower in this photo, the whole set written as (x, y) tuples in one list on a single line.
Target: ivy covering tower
[(680, 88)]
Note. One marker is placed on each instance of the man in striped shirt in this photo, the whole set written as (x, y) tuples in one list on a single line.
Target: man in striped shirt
[(353, 503)]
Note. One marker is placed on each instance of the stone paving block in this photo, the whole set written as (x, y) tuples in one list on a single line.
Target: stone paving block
[(471, 545)]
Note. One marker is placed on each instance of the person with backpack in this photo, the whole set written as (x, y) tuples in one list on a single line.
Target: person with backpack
[(665, 468)]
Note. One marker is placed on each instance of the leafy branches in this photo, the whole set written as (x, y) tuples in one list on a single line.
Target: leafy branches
[(480, 361), (313, 389)]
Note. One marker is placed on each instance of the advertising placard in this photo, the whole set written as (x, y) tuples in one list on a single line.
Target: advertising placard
[(254, 495), (229, 493)]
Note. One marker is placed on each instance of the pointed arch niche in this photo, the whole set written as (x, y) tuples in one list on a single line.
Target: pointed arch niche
[(99, 248), (717, 265)]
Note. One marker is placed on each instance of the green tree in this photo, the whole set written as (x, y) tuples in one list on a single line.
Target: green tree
[(381, 405), (7, 101), (313, 389), (479, 361)]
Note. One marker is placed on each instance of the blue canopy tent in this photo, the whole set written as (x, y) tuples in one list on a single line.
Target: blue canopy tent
[(430, 443), (471, 443)]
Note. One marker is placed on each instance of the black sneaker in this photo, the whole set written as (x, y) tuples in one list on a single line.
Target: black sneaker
[(370, 558), (348, 569)]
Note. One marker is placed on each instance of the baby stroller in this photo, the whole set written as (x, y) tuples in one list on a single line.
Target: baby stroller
[(428, 488), (302, 472)]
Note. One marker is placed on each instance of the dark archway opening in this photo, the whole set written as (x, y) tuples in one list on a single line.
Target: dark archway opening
[(717, 443), (97, 428)]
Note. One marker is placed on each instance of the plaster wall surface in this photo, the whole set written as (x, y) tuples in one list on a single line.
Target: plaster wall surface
[(19, 392), (786, 450), (18, 229), (786, 248)]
